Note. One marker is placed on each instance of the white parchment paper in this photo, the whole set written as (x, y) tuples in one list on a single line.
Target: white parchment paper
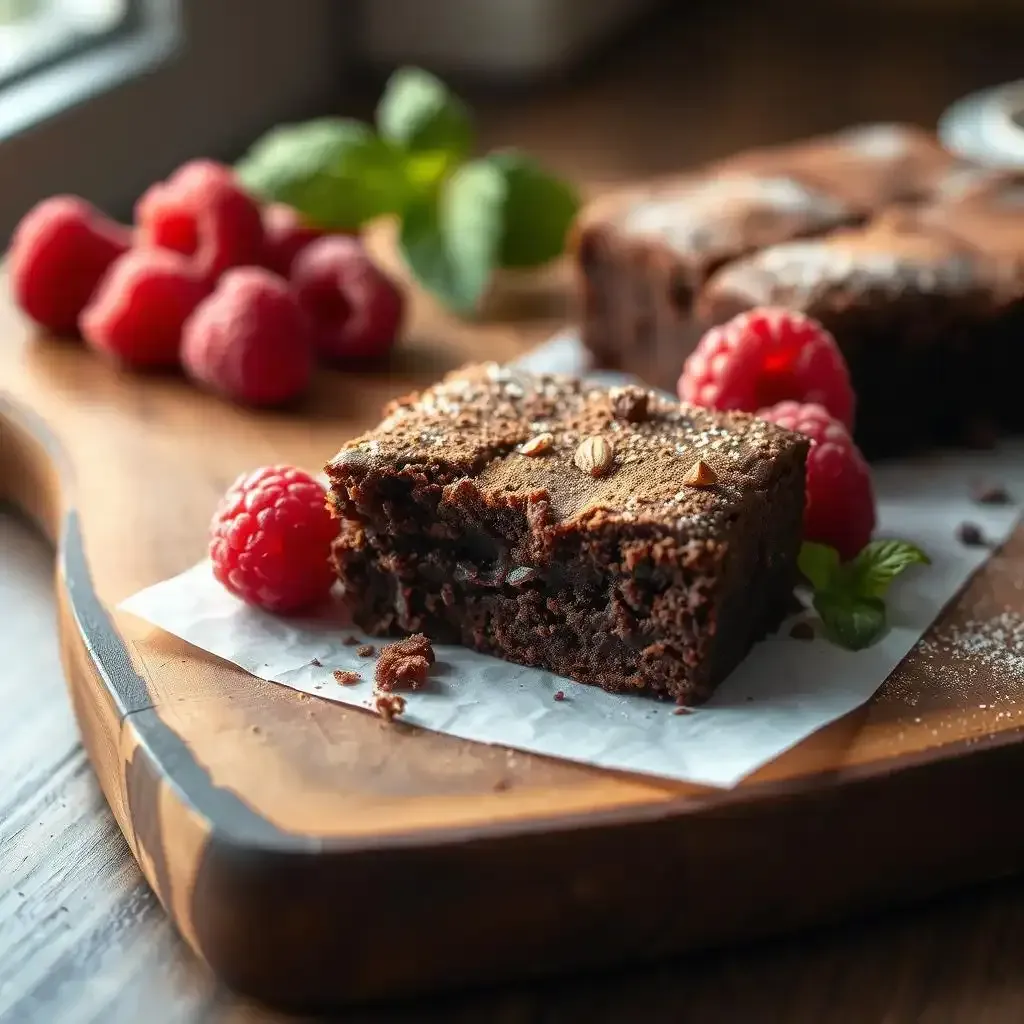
[(783, 691)]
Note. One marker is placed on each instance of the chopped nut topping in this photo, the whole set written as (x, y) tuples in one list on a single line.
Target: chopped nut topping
[(700, 475), (538, 445), (346, 678), (594, 456)]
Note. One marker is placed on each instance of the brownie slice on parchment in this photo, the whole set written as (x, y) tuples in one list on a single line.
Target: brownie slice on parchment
[(609, 535)]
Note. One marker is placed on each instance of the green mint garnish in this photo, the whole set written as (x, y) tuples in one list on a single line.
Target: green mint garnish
[(461, 218), (849, 596)]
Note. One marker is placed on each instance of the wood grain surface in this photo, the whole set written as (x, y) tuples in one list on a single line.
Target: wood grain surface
[(83, 938), (593, 132)]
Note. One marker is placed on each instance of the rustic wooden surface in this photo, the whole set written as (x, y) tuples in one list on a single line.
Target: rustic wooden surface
[(952, 963)]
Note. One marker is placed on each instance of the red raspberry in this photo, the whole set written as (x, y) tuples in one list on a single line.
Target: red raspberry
[(270, 539), (140, 306), (59, 252), (766, 356), (202, 212), (250, 340), (355, 307), (840, 503), (284, 237)]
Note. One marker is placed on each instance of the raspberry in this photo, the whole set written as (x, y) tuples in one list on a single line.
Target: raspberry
[(840, 502), (59, 252), (202, 212), (355, 307), (766, 356), (284, 237), (270, 539), (140, 306), (249, 340)]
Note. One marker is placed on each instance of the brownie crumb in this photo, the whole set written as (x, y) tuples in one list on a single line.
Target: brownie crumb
[(559, 694), (501, 785), (682, 710), (388, 705), (971, 535), (350, 641), (345, 677), (802, 631), (366, 650), (316, 663), (992, 494), (629, 403), (404, 664), (255, 730)]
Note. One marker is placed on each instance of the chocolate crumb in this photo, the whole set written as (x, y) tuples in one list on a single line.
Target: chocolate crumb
[(559, 694), (350, 641), (971, 535), (802, 631), (992, 494), (388, 705), (255, 730), (345, 677), (682, 710), (404, 664), (366, 650), (501, 785), (316, 663), (629, 403)]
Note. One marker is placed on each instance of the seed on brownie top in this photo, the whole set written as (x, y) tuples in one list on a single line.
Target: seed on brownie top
[(469, 430)]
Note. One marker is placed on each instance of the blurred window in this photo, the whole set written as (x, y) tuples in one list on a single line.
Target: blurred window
[(35, 33)]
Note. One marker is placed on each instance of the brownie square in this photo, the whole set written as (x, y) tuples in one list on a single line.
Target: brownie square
[(911, 309), (647, 253), (551, 522), (912, 258)]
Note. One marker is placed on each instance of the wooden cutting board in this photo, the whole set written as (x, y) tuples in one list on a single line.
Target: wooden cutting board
[(314, 855)]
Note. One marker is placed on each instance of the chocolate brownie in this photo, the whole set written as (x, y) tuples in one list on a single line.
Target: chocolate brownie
[(611, 536), (869, 165), (913, 259), (909, 306)]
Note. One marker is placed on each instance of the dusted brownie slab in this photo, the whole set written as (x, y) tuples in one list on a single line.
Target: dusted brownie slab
[(913, 259), (552, 523), (869, 165), (912, 308)]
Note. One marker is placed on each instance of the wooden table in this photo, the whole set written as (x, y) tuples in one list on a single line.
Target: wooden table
[(82, 938)]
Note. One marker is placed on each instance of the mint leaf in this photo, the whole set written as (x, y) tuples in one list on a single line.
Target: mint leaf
[(819, 563), (418, 113), (451, 244), (879, 563), (852, 622), (539, 210), (336, 172)]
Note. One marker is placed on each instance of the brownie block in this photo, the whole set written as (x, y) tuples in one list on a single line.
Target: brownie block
[(912, 258), (910, 306), (551, 522)]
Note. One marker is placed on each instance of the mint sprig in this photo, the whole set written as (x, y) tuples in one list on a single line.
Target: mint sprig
[(461, 218), (848, 596)]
